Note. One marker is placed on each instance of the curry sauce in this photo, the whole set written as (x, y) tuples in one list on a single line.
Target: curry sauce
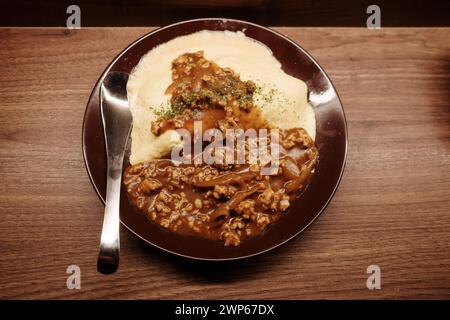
[(220, 201)]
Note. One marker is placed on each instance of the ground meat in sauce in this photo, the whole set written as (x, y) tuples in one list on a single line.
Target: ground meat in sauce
[(228, 202)]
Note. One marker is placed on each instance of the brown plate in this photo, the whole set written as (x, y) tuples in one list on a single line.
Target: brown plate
[(331, 139)]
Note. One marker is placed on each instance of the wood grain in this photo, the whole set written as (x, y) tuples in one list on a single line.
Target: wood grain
[(392, 208)]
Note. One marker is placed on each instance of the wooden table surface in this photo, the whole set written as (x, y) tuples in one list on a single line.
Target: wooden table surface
[(391, 209)]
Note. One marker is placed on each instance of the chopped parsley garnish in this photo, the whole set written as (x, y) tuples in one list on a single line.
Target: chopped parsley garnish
[(168, 112)]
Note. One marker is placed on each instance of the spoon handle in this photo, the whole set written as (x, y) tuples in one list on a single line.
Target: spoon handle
[(108, 257)]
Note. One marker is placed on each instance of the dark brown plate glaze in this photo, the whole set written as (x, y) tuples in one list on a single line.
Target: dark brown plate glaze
[(331, 139)]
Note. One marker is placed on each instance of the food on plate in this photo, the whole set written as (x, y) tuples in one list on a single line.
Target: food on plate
[(222, 137)]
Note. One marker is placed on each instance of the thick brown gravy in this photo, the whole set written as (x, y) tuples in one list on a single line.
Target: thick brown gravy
[(219, 201)]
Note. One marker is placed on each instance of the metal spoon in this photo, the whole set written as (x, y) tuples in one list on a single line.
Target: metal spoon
[(116, 118)]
